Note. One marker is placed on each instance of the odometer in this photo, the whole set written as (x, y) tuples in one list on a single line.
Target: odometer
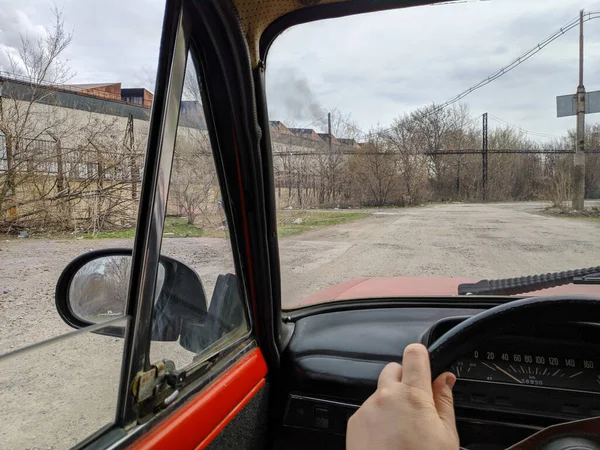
[(560, 368)]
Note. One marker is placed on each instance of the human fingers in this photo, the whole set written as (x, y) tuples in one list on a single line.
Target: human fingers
[(415, 367), (443, 399), (391, 373)]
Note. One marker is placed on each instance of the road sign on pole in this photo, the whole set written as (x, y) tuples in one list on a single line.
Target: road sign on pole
[(566, 105)]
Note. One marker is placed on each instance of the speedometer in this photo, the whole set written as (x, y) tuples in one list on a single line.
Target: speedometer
[(559, 368)]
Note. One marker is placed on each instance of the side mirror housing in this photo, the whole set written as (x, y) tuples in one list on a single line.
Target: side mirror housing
[(225, 314), (94, 287)]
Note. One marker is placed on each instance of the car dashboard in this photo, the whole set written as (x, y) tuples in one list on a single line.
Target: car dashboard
[(509, 385)]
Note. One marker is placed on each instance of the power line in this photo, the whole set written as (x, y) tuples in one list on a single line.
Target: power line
[(533, 133), (387, 131), (494, 76), (314, 121), (521, 59), (474, 119), (454, 2), (513, 64), (351, 125)]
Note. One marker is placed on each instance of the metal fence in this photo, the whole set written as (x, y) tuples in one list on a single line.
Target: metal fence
[(46, 157)]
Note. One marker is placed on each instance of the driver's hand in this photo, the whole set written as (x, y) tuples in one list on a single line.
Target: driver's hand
[(406, 412)]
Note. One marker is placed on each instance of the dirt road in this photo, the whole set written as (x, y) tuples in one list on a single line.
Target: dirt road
[(47, 393), (465, 240)]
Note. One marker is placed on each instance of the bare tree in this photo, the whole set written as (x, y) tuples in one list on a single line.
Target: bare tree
[(557, 186), (330, 168), (373, 171), (406, 140), (99, 289), (194, 180), (40, 61), (23, 118)]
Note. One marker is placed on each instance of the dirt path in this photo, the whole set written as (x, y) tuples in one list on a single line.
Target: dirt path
[(47, 393), (472, 240)]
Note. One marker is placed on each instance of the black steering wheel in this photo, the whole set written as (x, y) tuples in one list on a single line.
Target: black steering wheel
[(536, 310)]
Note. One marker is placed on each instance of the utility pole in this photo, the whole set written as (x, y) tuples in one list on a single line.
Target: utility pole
[(484, 157), (129, 142), (458, 178), (579, 157), (329, 131)]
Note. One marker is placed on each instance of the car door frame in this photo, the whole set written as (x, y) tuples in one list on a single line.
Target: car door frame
[(234, 96), (211, 32)]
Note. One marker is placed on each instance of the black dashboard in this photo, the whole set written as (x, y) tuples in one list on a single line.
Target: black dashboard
[(508, 387)]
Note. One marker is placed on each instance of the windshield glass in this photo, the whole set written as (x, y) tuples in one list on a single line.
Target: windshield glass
[(425, 147)]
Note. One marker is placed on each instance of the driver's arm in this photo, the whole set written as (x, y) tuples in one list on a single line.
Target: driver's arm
[(406, 412)]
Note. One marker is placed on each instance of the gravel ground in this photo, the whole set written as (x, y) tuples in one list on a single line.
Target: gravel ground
[(463, 240), (48, 393)]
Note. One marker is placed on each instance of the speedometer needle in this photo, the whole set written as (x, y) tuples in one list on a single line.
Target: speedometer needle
[(508, 374)]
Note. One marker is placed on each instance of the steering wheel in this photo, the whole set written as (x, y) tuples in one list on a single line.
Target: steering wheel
[(577, 435)]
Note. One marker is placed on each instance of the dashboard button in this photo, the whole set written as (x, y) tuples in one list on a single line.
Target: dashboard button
[(479, 398), (321, 418), (460, 396), (299, 414), (503, 400)]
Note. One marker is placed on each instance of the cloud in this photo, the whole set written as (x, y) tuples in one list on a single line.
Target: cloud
[(374, 66), (115, 40), (6, 53), (112, 40), (16, 25), (381, 65)]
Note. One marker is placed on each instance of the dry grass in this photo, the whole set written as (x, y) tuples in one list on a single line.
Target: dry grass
[(311, 220), (592, 213)]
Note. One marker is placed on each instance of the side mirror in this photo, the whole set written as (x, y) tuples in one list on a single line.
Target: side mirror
[(94, 287), (225, 314)]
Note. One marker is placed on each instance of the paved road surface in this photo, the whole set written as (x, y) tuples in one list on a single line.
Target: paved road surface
[(47, 393)]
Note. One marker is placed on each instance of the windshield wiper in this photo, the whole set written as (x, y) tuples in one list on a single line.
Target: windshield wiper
[(512, 286)]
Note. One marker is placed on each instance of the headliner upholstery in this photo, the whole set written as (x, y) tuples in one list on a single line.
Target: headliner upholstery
[(256, 15)]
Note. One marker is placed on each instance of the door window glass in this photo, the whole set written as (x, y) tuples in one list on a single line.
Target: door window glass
[(211, 313), (57, 393), (75, 98)]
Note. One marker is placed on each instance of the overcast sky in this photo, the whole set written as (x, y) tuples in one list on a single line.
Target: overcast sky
[(374, 67)]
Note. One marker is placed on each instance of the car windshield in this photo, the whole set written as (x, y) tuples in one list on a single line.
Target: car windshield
[(425, 147)]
